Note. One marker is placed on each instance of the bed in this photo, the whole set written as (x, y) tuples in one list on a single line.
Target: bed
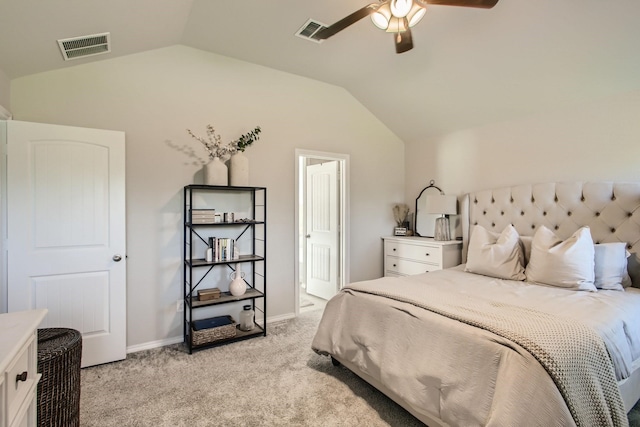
[(540, 325)]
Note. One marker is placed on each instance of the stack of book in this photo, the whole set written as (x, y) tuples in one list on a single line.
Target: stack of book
[(208, 294), (224, 249), (203, 216)]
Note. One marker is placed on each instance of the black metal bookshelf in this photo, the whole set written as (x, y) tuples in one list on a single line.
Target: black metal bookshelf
[(252, 232)]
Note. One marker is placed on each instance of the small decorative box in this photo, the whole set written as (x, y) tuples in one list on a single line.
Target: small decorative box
[(208, 294)]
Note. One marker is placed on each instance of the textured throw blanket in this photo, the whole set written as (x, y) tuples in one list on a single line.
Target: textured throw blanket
[(579, 363)]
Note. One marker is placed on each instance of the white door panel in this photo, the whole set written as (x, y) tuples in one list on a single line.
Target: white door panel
[(322, 229), (89, 292), (66, 222)]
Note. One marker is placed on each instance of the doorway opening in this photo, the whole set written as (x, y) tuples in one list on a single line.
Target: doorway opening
[(321, 229)]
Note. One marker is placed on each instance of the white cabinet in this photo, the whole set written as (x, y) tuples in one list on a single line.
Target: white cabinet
[(19, 367), (404, 256)]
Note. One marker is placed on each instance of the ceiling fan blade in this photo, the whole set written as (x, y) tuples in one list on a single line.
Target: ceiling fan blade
[(404, 41), (347, 21), (484, 4)]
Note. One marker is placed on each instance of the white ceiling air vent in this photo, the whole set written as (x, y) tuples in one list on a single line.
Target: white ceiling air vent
[(78, 47), (310, 29)]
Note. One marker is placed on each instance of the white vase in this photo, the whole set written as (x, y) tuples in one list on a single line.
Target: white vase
[(215, 172), (237, 287), (239, 170)]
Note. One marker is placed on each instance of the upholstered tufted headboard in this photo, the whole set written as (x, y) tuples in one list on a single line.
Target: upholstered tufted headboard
[(611, 210)]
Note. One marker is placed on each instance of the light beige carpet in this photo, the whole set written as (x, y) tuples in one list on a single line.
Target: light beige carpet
[(272, 381)]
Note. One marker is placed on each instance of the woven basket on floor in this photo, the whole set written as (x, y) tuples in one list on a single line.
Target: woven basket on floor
[(59, 357)]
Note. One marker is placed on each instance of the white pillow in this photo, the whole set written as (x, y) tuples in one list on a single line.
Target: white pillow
[(611, 266), (567, 264), (495, 255)]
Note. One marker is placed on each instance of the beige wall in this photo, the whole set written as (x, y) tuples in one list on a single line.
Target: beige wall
[(595, 141), (154, 96), (5, 91)]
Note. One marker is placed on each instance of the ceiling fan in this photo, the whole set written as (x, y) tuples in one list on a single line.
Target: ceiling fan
[(397, 16)]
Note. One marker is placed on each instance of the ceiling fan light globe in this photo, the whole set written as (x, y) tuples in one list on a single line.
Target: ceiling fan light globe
[(416, 15), (380, 20), (400, 8)]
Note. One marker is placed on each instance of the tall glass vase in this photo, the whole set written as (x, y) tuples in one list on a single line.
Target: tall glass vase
[(239, 170), (215, 172)]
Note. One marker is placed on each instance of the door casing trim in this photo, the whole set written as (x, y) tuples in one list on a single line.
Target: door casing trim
[(343, 214)]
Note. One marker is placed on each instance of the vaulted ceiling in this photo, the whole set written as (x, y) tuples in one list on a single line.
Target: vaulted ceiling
[(469, 66)]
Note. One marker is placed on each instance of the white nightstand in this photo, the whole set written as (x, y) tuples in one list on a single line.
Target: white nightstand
[(404, 256)]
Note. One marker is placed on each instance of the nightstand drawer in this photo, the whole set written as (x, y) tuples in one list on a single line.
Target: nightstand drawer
[(405, 267), (19, 389), (422, 253), (404, 256)]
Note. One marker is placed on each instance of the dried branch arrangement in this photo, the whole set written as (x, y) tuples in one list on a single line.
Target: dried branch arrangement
[(400, 212)]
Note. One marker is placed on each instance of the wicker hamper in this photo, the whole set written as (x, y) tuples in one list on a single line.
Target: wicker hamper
[(59, 357)]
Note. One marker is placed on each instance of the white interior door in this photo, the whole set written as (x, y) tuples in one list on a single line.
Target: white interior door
[(66, 231), (322, 229)]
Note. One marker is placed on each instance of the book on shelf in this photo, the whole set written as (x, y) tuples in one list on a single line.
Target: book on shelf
[(203, 221), (210, 212), (224, 248)]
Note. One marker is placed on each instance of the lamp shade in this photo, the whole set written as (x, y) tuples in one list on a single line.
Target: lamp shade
[(441, 204)]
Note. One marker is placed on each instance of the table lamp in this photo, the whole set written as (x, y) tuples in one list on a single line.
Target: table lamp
[(441, 205)]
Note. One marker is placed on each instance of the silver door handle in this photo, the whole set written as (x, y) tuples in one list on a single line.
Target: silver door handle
[(308, 236), (117, 258)]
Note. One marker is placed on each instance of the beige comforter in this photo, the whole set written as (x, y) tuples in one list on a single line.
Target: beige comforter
[(456, 373)]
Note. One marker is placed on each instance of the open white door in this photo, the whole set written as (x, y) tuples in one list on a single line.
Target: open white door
[(322, 229), (66, 231)]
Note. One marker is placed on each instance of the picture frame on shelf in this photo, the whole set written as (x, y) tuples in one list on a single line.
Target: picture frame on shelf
[(400, 231)]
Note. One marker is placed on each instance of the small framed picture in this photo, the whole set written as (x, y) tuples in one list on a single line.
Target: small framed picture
[(400, 231)]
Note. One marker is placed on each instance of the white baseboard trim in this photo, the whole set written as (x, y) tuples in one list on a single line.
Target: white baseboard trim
[(175, 340), (153, 344), (280, 318)]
